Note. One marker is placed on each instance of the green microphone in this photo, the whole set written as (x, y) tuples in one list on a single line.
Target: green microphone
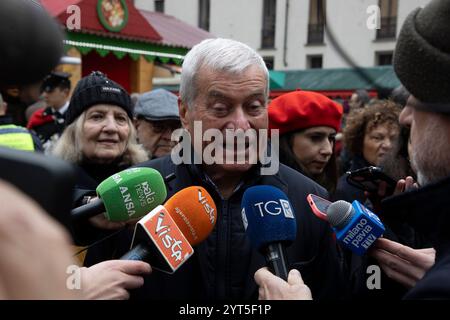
[(129, 194)]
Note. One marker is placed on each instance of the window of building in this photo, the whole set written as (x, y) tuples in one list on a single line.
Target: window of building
[(314, 61), (159, 6), (203, 14), (268, 25), (388, 11), (316, 24), (384, 58), (269, 62)]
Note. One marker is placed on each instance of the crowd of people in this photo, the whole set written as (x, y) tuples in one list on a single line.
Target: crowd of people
[(101, 130)]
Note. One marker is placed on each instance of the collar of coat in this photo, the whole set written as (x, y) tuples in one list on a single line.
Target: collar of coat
[(426, 209)]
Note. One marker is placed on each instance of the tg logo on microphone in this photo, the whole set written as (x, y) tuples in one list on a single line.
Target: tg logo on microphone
[(275, 208)]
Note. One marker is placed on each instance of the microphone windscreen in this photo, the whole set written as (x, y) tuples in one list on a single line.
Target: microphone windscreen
[(268, 216), (31, 42), (132, 193), (194, 212), (340, 213)]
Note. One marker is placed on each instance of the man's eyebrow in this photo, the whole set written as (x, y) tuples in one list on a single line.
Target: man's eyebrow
[(256, 95), (217, 94), (222, 95)]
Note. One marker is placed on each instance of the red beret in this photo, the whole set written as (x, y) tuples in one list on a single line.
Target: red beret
[(303, 109)]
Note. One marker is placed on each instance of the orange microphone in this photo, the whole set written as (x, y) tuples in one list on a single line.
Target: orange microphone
[(165, 236), (194, 212)]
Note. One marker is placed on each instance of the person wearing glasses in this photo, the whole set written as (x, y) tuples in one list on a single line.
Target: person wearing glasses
[(156, 117)]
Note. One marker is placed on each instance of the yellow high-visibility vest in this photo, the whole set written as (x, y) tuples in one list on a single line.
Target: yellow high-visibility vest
[(16, 137)]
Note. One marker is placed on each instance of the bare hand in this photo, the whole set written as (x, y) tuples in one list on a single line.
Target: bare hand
[(101, 222), (111, 280), (404, 185), (272, 287), (401, 263), (34, 249)]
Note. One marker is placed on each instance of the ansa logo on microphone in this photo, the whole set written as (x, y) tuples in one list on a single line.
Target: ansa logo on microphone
[(168, 238), (274, 208)]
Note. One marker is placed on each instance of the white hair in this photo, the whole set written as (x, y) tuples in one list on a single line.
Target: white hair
[(219, 55)]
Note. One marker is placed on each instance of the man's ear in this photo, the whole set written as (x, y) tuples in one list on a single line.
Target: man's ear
[(185, 114), (3, 107), (135, 122), (67, 92)]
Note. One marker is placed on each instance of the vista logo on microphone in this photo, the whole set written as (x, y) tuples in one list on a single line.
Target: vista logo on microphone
[(163, 232), (274, 208), (208, 208), (167, 237)]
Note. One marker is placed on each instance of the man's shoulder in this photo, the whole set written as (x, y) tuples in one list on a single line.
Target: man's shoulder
[(298, 182), (435, 284), (162, 164)]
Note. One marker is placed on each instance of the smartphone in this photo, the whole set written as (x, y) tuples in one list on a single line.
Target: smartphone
[(318, 205), (369, 178), (47, 180)]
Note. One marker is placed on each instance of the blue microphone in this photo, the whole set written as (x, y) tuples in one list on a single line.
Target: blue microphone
[(270, 225), (356, 227)]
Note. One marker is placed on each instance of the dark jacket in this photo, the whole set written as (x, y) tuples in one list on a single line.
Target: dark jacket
[(46, 123), (344, 190), (89, 176), (355, 267), (427, 211), (223, 266)]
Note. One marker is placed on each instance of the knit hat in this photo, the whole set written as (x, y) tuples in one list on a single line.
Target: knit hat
[(157, 105), (94, 89), (303, 109), (422, 55)]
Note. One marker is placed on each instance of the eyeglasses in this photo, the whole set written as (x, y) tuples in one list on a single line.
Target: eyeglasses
[(161, 126)]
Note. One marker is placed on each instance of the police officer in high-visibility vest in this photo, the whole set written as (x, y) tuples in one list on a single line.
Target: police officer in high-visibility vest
[(16, 137)]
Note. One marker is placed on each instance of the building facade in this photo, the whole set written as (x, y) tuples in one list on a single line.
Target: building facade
[(290, 34)]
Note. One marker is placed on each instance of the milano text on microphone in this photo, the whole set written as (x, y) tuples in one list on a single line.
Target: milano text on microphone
[(356, 227)]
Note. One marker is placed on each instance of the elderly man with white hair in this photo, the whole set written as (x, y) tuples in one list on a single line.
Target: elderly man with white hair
[(224, 86)]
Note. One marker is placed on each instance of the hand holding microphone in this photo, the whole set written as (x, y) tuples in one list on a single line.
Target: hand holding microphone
[(111, 280), (126, 195), (270, 224), (272, 287), (165, 236), (402, 263)]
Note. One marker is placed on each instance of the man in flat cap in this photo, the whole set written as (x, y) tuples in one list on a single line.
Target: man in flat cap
[(156, 117), (48, 123)]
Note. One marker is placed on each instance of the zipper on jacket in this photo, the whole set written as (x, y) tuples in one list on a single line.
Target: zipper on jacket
[(222, 252)]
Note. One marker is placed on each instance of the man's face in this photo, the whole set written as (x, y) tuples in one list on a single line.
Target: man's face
[(155, 136), (354, 102), (227, 101), (430, 149), (56, 97)]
